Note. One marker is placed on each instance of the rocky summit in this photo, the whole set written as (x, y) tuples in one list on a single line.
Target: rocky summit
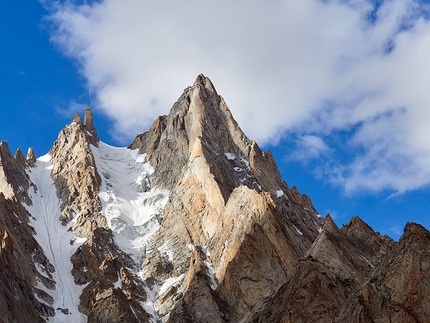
[(191, 222)]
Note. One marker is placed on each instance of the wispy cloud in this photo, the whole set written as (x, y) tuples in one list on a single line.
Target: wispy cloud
[(309, 147), (309, 67), (396, 230), (70, 109)]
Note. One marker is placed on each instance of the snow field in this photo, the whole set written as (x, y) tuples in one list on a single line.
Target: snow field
[(133, 210)]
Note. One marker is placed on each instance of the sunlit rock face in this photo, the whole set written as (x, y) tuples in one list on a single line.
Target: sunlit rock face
[(189, 223)]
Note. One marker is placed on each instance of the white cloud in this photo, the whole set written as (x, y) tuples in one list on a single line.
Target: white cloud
[(309, 147), (305, 66)]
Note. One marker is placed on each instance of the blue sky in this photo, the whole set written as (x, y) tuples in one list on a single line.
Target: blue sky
[(338, 90)]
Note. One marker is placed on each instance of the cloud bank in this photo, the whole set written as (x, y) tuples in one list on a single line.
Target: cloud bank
[(315, 69)]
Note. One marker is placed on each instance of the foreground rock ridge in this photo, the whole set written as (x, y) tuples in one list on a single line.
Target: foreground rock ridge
[(190, 223)]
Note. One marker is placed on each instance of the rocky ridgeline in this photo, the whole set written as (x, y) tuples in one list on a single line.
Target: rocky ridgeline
[(234, 242)]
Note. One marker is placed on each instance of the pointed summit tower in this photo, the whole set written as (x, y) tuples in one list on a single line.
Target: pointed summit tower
[(89, 127), (227, 201)]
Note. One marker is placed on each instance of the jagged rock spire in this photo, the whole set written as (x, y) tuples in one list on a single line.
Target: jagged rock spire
[(77, 118), (89, 127), (88, 119), (19, 156), (31, 157)]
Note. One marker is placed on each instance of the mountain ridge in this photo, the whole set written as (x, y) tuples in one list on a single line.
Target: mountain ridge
[(191, 223)]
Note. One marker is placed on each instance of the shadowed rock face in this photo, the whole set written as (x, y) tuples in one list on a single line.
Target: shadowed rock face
[(22, 261), (233, 242)]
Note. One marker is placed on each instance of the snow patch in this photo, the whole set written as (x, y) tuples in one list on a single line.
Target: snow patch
[(246, 163), (298, 231), (279, 193), (370, 264), (170, 283), (210, 269), (165, 251), (243, 169), (230, 156), (118, 283)]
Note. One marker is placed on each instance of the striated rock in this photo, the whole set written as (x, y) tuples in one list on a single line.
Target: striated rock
[(311, 294), (200, 303), (333, 285), (397, 291), (350, 252)]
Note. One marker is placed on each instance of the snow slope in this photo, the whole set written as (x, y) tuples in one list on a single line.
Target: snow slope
[(54, 239), (132, 208)]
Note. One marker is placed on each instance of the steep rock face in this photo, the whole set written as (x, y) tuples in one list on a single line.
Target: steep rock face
[(338, 263), (350, 252), (13, 179), (397, 290), (334, 284), (226, 197)]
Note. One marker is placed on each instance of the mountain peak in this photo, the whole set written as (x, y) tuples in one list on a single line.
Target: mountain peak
[(193, 223), (200, 124), (31, 157), (204, 82)]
